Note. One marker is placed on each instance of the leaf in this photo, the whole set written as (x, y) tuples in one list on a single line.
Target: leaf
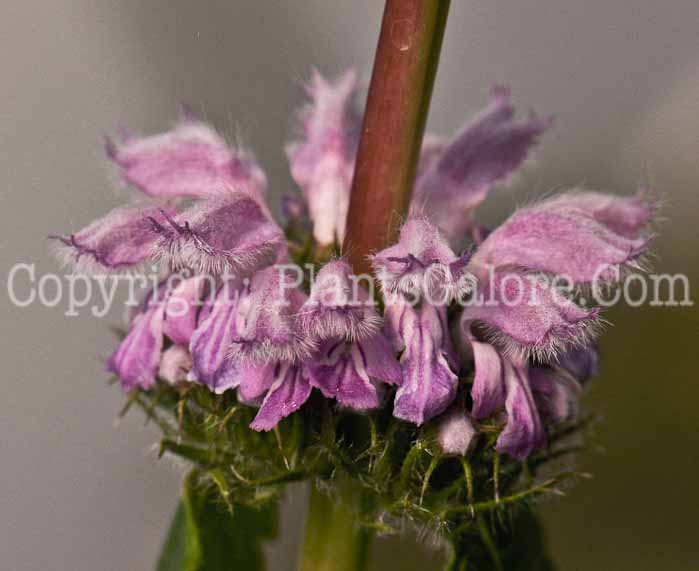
[(172, 554), (206, 536)]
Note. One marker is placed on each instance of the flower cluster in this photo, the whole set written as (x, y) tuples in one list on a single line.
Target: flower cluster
[(237, 318)]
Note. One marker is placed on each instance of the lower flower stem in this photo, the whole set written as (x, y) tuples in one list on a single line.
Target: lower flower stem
[(334, 540)]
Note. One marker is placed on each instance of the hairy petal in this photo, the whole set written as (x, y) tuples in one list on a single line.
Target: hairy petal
[(212, 338), (429, 385), (289, 390), (175, 364), (191, 160), (421, 263), (523, 432), (266, 322), (627, 216), (488, 149), (137, 358), (488, 390), (337, 307), (231, 234), (322, 160), (122, 240), (525, 316), (560, 240), (456, 434)]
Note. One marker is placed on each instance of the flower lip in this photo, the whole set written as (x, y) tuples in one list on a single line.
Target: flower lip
[(422, 264), (190, 161), (487, 150), (229, 234), (338, 306), (123, 240)]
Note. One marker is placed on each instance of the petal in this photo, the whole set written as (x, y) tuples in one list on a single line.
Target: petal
[(182, 308), (288, 392), (347, 371), (322, 160), (340, 372), (293, 207), (562, 241), (556, 395), (456, 434), (338, 306), (231, 234), (122, 240), (525, 316), (488, 149), (191, 160), (523, 432), (380, 359), (175, 364), (137, 358), (627, 216), (429, 385), (255, 381), (488, 390), (266, 325), (432, 148), (420, 264), (580, 362), (213, 336)]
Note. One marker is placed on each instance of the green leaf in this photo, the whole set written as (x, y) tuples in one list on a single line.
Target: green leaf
[(206, 536), (172, 554)]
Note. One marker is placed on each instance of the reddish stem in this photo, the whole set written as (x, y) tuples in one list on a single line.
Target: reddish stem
[(399, 94)]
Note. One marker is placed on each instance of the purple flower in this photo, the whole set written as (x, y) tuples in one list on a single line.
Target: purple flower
[(338, 306), (175, 364), (566, 236), (456, 434), (287, 388), (429, 383), (453, 182), (526, 393), (524, 431), (124, 239), (350, 371), (524, 315), (354, 355), (192, 160), (267, 328), (322, 160), (461, 300), (421, 264), (211, 340), (170, 311), (230, 234)]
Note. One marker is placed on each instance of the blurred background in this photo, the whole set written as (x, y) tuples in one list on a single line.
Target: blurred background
[(79, 491)]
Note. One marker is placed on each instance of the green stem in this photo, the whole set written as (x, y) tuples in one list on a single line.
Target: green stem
[(396, 111), (335, 541)]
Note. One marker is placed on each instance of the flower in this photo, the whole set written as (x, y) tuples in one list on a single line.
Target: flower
[(458, 175), (322, 159), (466, 310), (456, 434), (355, 355)]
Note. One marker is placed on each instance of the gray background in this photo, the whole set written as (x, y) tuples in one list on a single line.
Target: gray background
[(622, 76)]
